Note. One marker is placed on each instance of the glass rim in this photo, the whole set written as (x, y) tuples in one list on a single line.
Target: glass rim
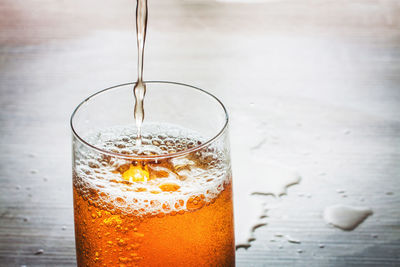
[(149, 157)]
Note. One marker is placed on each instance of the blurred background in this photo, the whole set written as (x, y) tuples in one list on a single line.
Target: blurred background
[(310, 85)]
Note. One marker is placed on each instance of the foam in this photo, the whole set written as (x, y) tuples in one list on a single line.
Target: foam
[(200, 176)]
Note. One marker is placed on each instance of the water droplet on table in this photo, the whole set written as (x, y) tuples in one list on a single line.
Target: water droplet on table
[(39, 252), (346, 217), (292, 240)]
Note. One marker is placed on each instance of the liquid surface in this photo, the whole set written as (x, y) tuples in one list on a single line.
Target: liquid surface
[(346, 217), (127, 211)]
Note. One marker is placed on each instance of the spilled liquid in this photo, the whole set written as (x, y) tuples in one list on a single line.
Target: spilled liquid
[(268, 178), (346, 217), (140, 87), (257, 178)]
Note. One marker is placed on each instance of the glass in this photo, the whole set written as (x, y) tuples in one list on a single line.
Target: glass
[(166, 203)]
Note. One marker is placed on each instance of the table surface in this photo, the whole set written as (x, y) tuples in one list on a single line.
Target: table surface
[(314, 84)]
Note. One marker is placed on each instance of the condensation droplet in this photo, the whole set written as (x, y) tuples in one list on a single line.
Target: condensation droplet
[(292, 240), (39, 252)]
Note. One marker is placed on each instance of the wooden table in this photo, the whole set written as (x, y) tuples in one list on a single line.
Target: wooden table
[(316, 82)]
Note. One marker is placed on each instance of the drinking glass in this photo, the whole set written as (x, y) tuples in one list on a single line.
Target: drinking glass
[(167, 202)]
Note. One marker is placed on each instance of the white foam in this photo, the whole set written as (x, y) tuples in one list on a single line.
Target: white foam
[(199, 174)]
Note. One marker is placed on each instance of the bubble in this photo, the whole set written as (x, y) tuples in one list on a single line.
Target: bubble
[(92, 164), (156, 142), (169, 187), (120, 201), (120, 145), (169, 142), (162, 136)]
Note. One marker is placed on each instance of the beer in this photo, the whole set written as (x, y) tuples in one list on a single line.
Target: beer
[(164, 203), (140, 87), (154, 195)]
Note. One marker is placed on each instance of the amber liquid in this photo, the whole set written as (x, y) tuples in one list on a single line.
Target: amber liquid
[(200, 236)]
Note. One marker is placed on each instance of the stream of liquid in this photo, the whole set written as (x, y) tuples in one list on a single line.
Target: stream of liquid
[(140, 87)]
